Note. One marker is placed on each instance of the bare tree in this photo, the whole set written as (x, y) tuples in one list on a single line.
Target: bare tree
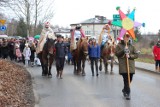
[(43, 12), (32, 11), (2, 2), (22, 9)]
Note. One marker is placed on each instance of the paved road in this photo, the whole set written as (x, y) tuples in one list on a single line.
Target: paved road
[(102, 91)]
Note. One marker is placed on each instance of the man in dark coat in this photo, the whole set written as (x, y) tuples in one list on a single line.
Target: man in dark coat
[(5, 49), (126, 51), (61, 50), (11, 46)]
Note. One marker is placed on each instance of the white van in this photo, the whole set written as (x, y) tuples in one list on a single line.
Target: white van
[(3, 36)]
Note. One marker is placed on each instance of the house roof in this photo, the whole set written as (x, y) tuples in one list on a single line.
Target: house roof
[(95, 20)]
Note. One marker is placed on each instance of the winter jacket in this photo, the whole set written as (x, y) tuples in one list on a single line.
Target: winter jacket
[(94, 51), (156, 52), (18, 53), (5, 48), (119, 52), (27, 53), (61, 49)]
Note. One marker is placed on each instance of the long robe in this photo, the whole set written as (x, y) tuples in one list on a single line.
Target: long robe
[(46, 33)]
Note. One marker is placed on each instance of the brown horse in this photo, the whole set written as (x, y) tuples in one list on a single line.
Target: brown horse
[(106, 55), (79, 56), (47, 57)]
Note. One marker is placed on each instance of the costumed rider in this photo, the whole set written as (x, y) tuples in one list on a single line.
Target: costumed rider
[(47, 32), (106, 37), (77, 34)]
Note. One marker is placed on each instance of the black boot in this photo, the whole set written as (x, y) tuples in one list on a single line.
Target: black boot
[(57, 74), (92, 69), (60, 73), (92, 73), (97, 73), (128, 97), (124, 93)]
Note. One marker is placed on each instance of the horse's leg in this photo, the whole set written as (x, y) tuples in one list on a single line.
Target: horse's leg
[(78, 66), (100, 66), (74, 63), (112, 60), (83, 66), (50, 65), (105, 65), (45, 64)]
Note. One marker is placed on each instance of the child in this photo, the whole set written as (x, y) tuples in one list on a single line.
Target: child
[(33, 50), (27, 54), (18, 53)]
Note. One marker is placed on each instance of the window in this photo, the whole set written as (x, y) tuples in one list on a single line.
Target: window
[(87, 32)]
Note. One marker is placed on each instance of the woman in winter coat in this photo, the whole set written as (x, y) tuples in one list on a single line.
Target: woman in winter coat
[(156, 52), (125, 50), (94, 55)]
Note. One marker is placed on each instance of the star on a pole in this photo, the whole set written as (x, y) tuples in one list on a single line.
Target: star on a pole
[(126, 23)]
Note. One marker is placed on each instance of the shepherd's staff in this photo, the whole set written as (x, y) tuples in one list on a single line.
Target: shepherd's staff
[(127, 62)]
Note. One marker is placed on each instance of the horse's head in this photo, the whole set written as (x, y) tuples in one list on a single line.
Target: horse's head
[(110, 48), (84, 46), (49, 45)]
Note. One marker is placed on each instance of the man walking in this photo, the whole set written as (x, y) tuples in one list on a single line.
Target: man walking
[(61, 51)]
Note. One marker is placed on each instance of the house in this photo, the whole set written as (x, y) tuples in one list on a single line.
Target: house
[(64, 32), (92, 27)]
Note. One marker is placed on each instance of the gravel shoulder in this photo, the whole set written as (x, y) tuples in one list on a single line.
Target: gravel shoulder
[(16, 88)]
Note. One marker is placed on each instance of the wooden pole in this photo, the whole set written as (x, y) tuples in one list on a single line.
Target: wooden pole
[(128, 70)]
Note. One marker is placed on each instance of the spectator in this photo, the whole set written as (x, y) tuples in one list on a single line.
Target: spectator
[(4, 49), (156, 53), (18, 53), (11, 49), (27, 54), (1, 48), (33, 50)]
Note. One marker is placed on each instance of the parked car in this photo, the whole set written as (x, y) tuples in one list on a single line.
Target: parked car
[(3, 36)]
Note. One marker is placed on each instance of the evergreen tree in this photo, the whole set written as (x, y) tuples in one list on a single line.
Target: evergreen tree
[(138, 34), (39, 28), (158, 34), (21, 28)]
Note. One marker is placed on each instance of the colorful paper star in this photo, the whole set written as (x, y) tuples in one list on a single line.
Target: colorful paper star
[(126, 23)]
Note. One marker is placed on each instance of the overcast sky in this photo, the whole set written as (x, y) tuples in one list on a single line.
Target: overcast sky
[(74, 11)]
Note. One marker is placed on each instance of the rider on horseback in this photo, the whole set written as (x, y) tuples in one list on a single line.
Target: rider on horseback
[(106, 38), (77, 34), (47, 32)]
